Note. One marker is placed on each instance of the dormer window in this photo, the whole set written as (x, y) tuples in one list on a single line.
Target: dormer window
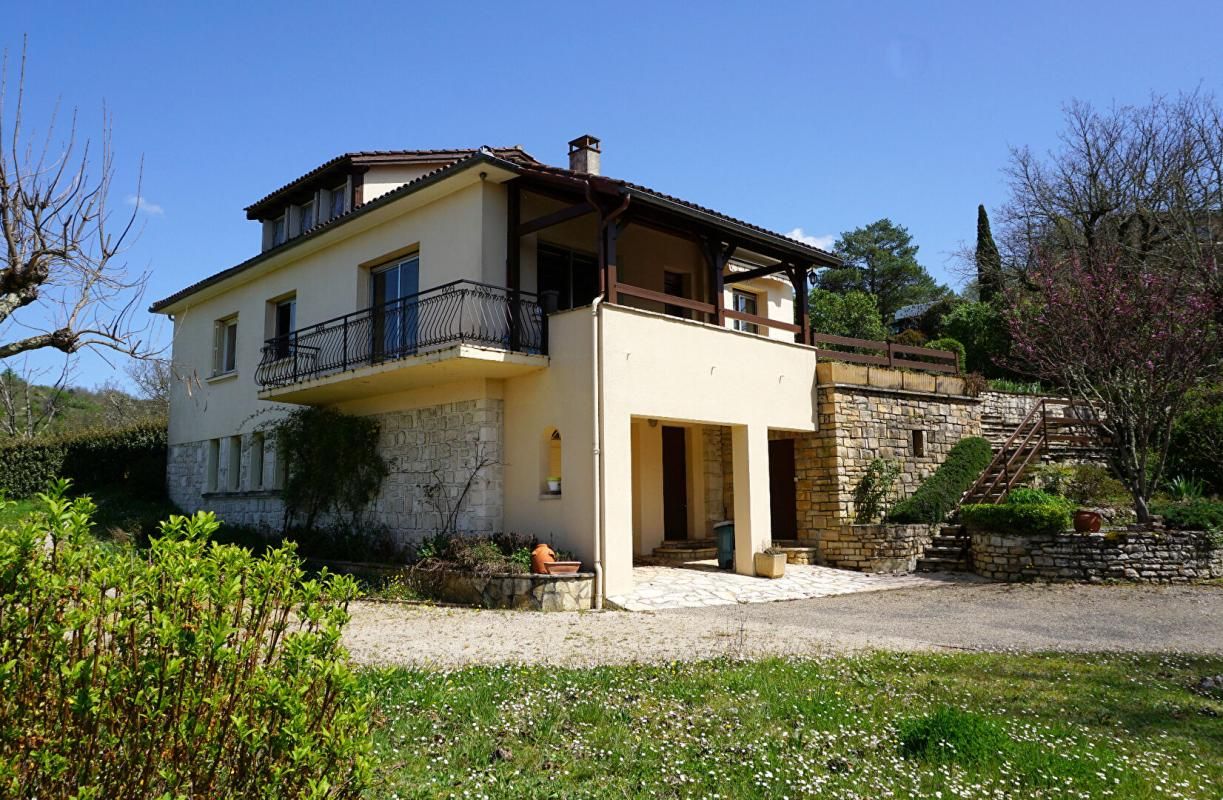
[(280, 230), (337, 200), (306, 217)]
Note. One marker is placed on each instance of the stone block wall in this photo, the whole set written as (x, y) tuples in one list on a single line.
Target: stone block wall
[(432, 452), (858, 424), (1146, 557), (874, 548)]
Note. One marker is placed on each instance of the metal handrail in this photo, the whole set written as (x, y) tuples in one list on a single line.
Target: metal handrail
[(457, 312)]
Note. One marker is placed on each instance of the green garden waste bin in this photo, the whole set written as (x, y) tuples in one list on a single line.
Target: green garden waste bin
[(724, 533)]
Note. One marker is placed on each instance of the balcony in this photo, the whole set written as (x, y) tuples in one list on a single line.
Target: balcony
[(459, 330)]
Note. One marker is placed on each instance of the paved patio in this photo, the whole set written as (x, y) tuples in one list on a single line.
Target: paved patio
[(700, 583)]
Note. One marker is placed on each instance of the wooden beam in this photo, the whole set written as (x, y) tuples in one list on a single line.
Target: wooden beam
[(613, 235), (716, 256), (555, 218), (763, 322), (798, 277), (759, 272), (663, 297)]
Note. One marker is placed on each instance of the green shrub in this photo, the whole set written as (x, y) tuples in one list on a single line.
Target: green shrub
[(947, 343), (1026, 511), (872, 492), (133, 458), (1192, 515), (1197, 440), (950, 734), (334, 466), (1092, 484), (190, 670), (940, 493)]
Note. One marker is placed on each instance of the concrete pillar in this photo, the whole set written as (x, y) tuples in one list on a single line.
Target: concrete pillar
[(753, 519), (647, 479), (618, 504)]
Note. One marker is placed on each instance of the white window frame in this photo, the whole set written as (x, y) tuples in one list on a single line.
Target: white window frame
[(225, 356), (340, 192), (311, 207), (280, 229), (740, 325), (212, 466), (233, 469)]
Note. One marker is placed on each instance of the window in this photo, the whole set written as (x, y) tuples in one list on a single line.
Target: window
[(256, 470), (225, 346), (280, 230), (306, 217), (550, 462), (395, 307), (337, 200), (566, 278), (213, 465), (673, 284), (745, 303), (284, 322), (233, 471), (919, 444)]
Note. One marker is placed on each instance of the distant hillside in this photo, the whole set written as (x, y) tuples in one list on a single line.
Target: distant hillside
[(30, 410)]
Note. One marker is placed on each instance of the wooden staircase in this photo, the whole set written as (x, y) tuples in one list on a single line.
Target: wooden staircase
[(1053, 424)]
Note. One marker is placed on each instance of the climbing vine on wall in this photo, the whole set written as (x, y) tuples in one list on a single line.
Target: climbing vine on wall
[(332, 464)]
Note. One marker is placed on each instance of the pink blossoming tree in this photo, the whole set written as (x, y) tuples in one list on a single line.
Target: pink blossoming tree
[(1130, 340)]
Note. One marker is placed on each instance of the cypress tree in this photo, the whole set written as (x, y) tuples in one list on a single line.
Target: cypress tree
[(989, 263)]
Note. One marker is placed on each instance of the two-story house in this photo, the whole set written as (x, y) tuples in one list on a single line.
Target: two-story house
[(651, 353)]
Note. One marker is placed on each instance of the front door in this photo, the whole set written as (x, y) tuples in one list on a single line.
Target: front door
[(674, 483), (782, 498)]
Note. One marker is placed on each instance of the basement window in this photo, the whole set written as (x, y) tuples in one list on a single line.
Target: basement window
[(919, 444)]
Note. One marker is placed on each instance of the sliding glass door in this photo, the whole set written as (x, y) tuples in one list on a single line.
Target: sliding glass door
[(394, 316)]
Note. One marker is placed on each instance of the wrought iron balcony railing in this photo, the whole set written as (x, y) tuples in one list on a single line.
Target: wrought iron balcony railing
[(458, 312)]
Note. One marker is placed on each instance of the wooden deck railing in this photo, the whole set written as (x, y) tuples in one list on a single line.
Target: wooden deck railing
[(883, 354)]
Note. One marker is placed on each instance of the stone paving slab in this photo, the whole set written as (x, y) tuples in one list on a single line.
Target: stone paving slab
[(700, 583)]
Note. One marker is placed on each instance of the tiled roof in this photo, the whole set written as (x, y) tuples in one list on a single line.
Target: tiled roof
[(369, 157), (519, 165)]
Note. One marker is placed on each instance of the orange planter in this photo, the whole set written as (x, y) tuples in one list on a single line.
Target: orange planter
[(564, 567), (541, 557)]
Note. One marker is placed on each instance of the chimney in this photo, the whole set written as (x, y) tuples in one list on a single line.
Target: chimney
[(584, 155)]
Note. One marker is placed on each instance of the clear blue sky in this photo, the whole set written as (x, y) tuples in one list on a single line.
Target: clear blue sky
[(819, 116)]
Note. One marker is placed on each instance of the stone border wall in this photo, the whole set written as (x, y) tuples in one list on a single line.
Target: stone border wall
[(875, 548), (1145, 557), (522, 592)]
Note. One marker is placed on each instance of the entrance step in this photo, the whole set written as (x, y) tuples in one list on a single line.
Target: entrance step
[(949, 551), (681, 550)]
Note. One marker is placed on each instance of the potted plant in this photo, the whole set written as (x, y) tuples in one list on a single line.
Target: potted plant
[(541, 557), (565, 564), (771, 563), (1086, 521), (554, 484)]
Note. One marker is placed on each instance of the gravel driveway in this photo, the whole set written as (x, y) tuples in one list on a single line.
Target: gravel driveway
[(970, 616)]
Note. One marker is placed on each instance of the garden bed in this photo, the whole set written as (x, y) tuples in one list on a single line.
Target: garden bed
[(875, 548), (527, 592), (1141, 556)]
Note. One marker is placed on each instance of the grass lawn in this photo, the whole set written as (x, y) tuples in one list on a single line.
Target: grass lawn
[(871, 726), (120, 517)]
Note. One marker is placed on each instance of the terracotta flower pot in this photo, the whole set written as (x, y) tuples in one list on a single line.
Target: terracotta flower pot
[(541, 557), (1086, 521), (564, 567)]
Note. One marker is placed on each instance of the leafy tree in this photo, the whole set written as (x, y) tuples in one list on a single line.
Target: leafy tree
[(881, 259), (982, 329), (852, 313), (989, 262), (1131, 339), (1197, 440)]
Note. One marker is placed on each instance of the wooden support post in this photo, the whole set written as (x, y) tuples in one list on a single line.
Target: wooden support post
[(613, 235), (802, 318), (513, 259), (715, 260)]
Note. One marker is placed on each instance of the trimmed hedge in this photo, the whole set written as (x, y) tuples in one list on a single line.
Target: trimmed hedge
[(939, 493), (1026, 511), (133, 458)]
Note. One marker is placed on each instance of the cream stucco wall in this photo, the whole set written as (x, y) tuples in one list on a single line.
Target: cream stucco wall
[(328, 282)]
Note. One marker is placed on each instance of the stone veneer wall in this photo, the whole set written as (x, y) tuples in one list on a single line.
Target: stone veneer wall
[(858, 424), (719, 502), (874, 548), (524, 592), (425, 447), (1147, 557)]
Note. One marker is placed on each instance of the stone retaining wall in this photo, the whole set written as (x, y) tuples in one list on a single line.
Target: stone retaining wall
[(523, 592), (1147, 557), (874, 548)]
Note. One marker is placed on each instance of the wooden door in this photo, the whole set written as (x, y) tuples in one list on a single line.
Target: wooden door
[(782, 498), (674, 483)]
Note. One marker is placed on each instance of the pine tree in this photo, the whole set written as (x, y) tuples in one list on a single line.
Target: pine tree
[(989, 263)]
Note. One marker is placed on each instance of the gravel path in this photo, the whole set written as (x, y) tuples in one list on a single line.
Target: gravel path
[(952, 616)]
